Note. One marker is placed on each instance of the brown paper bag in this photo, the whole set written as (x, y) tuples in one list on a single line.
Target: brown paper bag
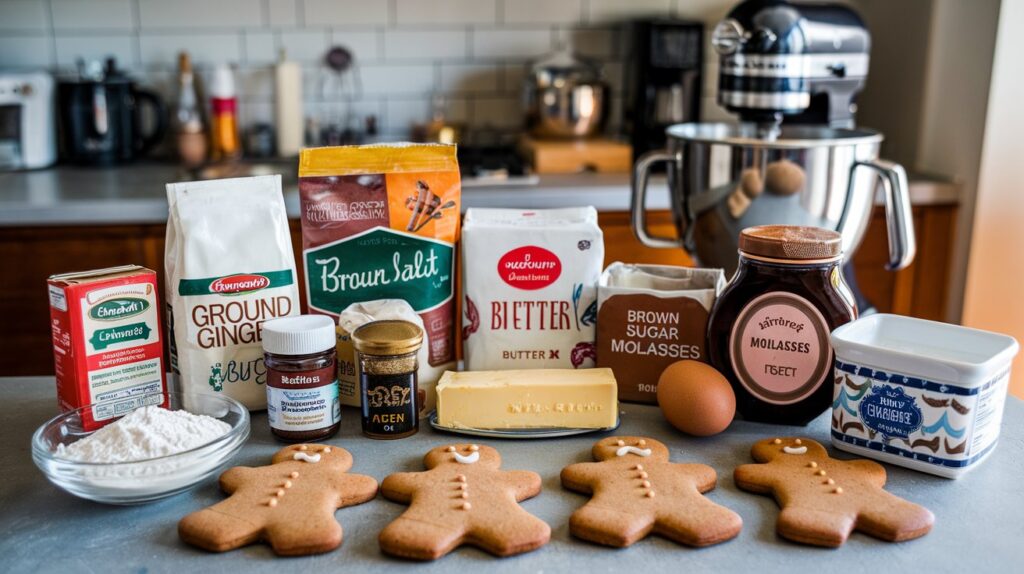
[(650, 316)]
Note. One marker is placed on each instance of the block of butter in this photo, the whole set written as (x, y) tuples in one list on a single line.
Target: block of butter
[(535, 398)]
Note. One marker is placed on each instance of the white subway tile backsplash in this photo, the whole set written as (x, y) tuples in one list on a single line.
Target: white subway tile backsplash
[(542, 11), (405, 79), (510, 44), (282, 12), (365, 46), (617, 10), (469, 78), (425, 44), (250, 113), (594, 42), (121, 47), (417, 12), (26, 52), (305, 46), (501, 113), (345, 12), (205, 49), (27, 15), (260, 48), (92, 15), (474, 52), (402, 114), (200, 13)]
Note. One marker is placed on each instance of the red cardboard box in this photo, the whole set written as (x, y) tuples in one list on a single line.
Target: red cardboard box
[(107, 345)]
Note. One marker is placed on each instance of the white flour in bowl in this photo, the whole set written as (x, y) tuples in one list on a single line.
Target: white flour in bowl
[(145, 433)]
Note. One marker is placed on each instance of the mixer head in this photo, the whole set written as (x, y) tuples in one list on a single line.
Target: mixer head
[(798, 63)]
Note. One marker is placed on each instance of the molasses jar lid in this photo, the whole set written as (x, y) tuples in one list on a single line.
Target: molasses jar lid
[(390, 337), (299, 335), (790, 243)]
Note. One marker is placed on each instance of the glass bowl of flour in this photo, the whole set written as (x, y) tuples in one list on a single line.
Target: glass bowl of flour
[(158, 445)]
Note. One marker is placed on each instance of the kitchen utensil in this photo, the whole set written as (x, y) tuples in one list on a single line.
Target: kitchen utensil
[(101, 116), (28, 136), (565, 97), (708, 163), (142, 481)]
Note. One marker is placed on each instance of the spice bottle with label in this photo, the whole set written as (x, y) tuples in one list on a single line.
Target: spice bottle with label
[(387, 377), (302, 385), (769, 330)]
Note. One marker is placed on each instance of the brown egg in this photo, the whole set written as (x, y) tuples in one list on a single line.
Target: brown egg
[(696, 398)]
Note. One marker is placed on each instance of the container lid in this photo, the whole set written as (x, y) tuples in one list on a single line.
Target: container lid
[(791, 242), (300, 335), (391, 337)]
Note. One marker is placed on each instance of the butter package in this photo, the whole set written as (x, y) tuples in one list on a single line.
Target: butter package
[(358, 314), (530, 288), (650, 316), (106, 341), (523, 399)]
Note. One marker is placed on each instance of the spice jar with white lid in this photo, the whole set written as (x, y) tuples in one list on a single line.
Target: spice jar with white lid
[(769, 329), (387, 352), (302, 383)]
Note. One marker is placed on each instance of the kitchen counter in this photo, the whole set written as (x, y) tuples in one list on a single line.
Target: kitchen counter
[(135, 194), (977, 527)]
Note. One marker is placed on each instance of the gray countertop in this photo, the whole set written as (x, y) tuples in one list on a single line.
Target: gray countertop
[(978, 525), (135, 194)]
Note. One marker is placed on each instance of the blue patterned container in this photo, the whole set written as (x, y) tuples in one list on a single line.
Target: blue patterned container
[(920, 394)]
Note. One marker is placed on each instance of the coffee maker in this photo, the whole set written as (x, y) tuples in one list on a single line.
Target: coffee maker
[(791, 73), (663, 79)]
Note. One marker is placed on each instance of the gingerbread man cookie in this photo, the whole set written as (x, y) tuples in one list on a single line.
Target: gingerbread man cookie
[(636, 491), (462, 498), (824, 499), (289, 504)]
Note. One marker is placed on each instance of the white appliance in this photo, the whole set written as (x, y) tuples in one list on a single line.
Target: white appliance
[(28, 134)]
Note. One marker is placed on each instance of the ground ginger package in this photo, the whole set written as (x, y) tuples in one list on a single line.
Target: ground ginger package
[(381, 222)]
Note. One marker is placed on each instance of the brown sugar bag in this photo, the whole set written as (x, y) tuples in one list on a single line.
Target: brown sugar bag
[(650, 316)]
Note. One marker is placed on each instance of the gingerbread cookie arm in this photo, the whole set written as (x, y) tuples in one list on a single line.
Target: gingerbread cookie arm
[(233, 478), (515, 533), (354, 489), (527, 484), (581, 477), (400, 486), (704, 477), (610, 526), (871, 472), (416, 539), (758, 478), (320, 533)]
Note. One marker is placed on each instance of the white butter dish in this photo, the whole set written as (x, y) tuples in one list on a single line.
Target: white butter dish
[(920, 394)]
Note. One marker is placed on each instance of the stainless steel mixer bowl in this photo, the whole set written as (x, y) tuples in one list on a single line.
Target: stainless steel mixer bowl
[(724, 178)]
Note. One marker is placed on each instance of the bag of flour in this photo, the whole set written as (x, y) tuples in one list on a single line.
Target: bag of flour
[(358, 314), (530, 287), (650, 316), (230, 267)]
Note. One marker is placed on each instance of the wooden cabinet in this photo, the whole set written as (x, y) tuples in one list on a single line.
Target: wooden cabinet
[(33, 254)]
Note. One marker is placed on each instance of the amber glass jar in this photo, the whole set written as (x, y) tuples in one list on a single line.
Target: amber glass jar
[(386, 352), (769, 330)]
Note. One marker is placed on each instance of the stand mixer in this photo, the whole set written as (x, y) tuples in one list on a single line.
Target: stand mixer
[(791, 73)]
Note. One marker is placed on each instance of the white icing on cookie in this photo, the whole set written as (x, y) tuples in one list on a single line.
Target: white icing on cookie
[(623, 451), (306, 457), (467, 459), (794, 449)]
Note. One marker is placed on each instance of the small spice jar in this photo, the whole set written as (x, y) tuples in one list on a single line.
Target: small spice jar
[(302, 385), (386, 353), (769, 329)]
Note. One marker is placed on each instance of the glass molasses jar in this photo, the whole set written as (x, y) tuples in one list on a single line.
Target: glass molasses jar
[(769, 330), (386, 352)]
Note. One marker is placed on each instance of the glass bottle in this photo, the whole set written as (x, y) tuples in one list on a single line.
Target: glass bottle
[(769, 329), (386, 352)]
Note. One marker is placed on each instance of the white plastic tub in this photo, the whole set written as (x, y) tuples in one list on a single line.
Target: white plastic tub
[(920, 394)]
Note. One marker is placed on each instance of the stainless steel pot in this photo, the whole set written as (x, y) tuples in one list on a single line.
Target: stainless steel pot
[(723, 178), (565, 98)]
